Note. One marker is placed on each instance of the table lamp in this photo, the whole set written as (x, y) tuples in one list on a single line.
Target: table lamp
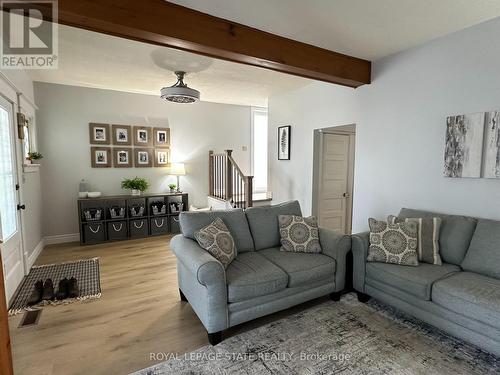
[(177, 169)]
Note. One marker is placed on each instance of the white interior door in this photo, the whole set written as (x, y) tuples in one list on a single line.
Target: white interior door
[(10, 232), (334, 206)]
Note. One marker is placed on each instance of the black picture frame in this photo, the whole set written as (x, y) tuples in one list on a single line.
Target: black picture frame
[(284, 138)]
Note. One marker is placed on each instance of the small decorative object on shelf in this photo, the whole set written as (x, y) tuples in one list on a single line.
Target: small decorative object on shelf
[(117, 212), (136, 210), (172, 187), (92, 214), (34, 156), (83, 189), (135, 185), (159, 208), (176, 207)]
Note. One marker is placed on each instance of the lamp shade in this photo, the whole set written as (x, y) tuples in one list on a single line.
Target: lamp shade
[(177, 169)]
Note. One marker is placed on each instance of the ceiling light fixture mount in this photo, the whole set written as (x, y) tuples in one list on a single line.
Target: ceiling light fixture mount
[(180, 93)]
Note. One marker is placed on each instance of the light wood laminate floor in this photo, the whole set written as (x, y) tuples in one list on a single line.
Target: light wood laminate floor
[(139, 313)]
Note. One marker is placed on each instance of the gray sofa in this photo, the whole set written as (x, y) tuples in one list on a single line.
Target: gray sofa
[(461, 297), (262, 279)]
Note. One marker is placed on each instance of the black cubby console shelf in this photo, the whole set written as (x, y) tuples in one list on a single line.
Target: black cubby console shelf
[(122, 217)]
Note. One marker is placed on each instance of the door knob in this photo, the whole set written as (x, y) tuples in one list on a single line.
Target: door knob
[(21, 207), (346, 195)]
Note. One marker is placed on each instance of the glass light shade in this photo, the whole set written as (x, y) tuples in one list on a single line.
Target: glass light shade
[(177, 169)]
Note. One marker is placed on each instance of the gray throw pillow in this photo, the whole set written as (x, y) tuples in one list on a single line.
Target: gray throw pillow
[(217, 240), (427, 237), (393, 243), (299, 234)]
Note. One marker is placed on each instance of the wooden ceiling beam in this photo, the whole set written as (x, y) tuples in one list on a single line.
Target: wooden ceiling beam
[(166, 24)]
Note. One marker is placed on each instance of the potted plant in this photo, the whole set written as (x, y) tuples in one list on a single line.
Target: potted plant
[(34, 156), (172, 187), (135, 185)]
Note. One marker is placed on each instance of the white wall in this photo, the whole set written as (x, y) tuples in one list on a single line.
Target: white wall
[(400, 121), (63, 118)]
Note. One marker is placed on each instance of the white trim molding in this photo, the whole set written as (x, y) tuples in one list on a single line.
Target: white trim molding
[(62, 238), (35, 253)]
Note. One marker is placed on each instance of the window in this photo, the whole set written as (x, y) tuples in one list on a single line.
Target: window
[(259, 149)]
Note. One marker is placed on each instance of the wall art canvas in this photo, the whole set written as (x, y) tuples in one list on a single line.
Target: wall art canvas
[(284, 142), (464, 145), (122, 135), (143, 157), (491, 157), (100, 157), (99, 134)]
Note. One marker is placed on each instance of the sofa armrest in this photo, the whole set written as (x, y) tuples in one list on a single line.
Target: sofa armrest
[(336, 245), (360, 245), (198, 261)]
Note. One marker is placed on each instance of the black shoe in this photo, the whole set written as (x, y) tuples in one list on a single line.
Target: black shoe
[(36, 295), (73, 290), (48, 290), (62, 291)]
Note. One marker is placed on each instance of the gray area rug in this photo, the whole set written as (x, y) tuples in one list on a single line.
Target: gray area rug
[(346, 337), (86, 271)]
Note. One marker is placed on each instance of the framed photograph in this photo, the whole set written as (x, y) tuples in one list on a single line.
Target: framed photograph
[(161, 137), (143, 157), (122, 157), (100, 157), (122, 135), (142, 136), (99, 134), (162, 157), (284, 142)]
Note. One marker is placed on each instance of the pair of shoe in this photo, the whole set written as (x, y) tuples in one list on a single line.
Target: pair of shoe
[(45, 291)]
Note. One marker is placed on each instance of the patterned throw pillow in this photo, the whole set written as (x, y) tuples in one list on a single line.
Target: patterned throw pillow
[(217, 240), (393, 243), (299, 234), (427, 238)]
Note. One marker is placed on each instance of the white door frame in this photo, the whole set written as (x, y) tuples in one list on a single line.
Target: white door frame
[(350, 131)]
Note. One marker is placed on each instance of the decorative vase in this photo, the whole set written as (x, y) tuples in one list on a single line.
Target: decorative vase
[(172, 191), (135, 192)]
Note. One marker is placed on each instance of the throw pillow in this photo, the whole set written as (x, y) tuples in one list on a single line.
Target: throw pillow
[(427, 238), (299, 234), (393, 243), (218, 241)]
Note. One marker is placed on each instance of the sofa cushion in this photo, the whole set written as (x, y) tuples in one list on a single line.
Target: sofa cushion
[(470, 294), (301, 268), (455, 235), (416, 281), (483, 255), (235, 220), (263, 222), (251, 275)]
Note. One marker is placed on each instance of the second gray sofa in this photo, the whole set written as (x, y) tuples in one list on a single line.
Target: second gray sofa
[(461, 297), (262, 279)]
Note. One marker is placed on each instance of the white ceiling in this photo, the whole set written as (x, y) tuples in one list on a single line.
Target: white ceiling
[(100, 61), (368, 29)]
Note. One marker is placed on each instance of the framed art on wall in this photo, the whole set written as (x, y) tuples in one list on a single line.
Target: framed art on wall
[(143, 157), (284, 142), (122, 135), (99, 134), (162, 157), (100, 157), (161, 137), (142, 136), (122, 158)]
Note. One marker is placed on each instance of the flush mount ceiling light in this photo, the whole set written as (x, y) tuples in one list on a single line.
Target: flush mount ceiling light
[(180, 93)]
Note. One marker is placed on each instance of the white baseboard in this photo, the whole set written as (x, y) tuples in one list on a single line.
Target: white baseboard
[(62, 238), (35, 253)]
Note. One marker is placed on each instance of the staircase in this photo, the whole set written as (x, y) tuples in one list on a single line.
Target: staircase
[(226, 181)]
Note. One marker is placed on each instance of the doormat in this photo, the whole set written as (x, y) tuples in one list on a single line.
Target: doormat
[(86, 271)]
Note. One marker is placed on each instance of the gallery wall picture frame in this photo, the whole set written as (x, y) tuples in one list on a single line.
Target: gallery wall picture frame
[(161, 137), (143, 157), (99, 134), (100, 157), (284, 133), (143, 136), (122, 135), (123, 157), (162, 157)]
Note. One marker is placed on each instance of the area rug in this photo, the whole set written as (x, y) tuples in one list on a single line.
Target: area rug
[(86, 271), (346, 337)]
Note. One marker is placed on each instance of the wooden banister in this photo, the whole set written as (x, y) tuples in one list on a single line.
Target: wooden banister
[(227, 181)]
